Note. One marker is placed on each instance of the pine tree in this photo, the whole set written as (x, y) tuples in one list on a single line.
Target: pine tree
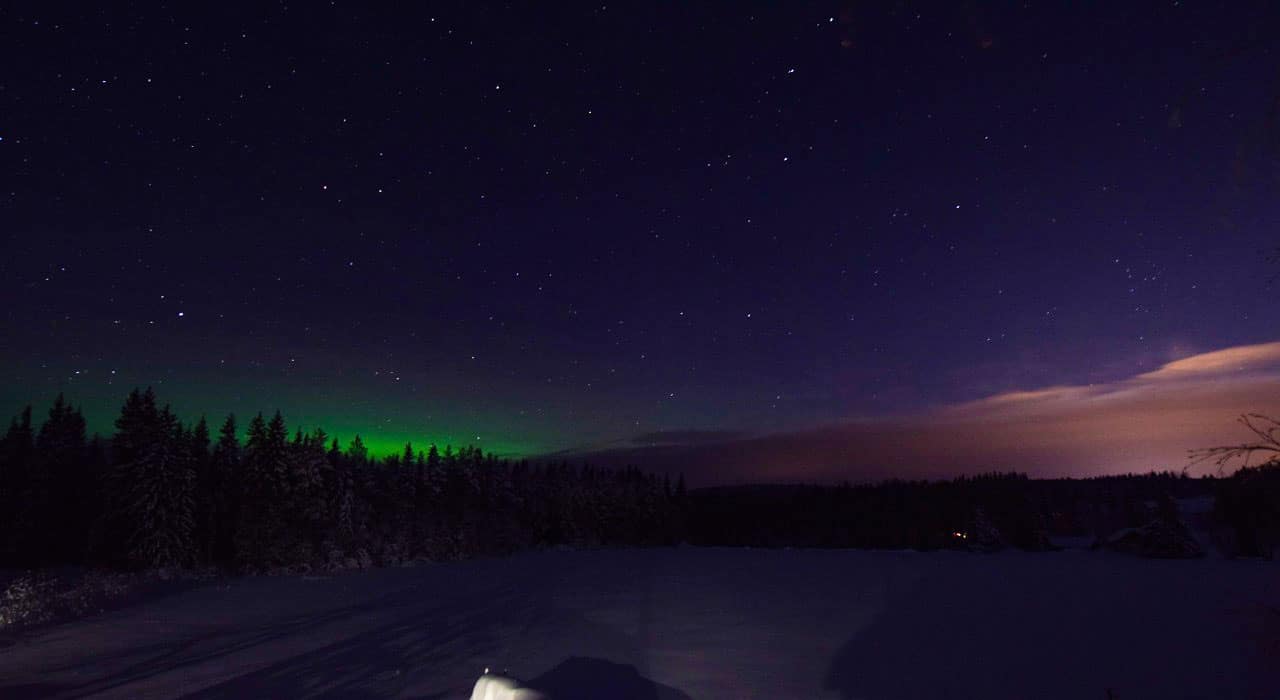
[(225, 484)]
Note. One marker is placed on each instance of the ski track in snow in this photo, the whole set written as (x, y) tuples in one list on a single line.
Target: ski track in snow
[(693, 623)]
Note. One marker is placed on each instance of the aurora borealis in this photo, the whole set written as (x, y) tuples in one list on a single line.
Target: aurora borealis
[(626, 230)]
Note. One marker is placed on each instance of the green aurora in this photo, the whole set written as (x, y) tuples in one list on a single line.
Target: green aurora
[(385, 424), (444, 403)]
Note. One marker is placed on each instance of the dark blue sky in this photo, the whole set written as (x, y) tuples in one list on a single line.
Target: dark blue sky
[(568, 225)]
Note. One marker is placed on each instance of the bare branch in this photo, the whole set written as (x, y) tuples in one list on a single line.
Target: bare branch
[(1265, 429)]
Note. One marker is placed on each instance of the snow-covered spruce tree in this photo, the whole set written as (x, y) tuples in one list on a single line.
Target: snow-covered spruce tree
[(261, 526), (225, 484), (507, 505), (434, 473), (38, 506), (306, 515), (135, 430), (255, 504), (390, 495), (153, 484), (271, 459), (285, 518), (362, 498), (432, 539), (15, 469), (197, 453), (380, 490), (337, 498), (419, 517), (397, 506), (62, 496)]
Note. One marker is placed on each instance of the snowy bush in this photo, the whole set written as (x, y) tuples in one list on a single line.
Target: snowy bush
[(24, 602), (35, 598)]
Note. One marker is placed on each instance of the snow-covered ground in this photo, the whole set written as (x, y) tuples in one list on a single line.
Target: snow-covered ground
[(692, 623)]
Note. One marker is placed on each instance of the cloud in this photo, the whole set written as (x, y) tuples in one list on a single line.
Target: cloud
[(1240, 360), (1148, 421), (1212, 373)]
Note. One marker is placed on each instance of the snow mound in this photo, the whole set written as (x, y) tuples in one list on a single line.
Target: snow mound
[(495, 687)]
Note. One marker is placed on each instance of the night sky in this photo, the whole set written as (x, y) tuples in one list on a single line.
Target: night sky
[(780, 241)]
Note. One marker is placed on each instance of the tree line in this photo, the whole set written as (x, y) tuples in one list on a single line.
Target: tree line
[(163, 493), (982, 512)]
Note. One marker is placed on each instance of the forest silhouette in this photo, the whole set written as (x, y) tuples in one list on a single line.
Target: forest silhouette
[(163, 493)]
